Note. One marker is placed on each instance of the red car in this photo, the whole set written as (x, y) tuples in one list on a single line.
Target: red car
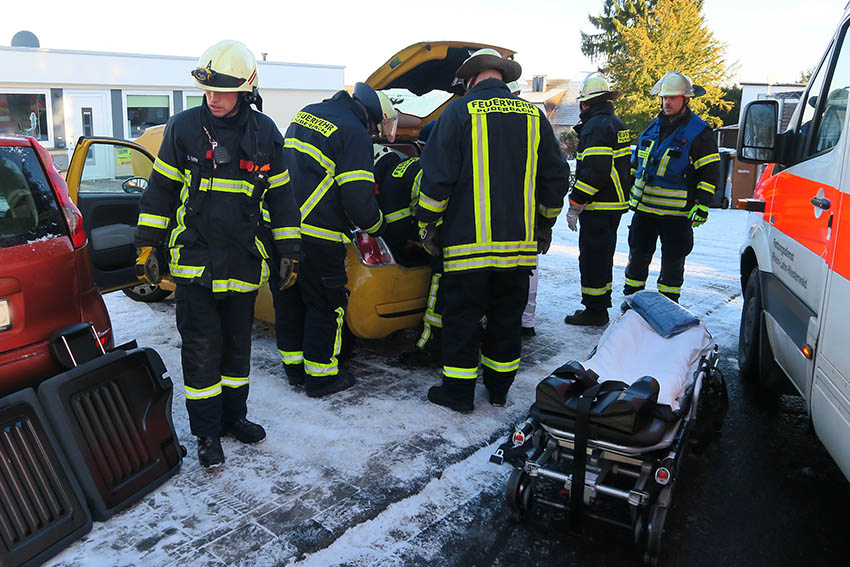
[(46, 277)]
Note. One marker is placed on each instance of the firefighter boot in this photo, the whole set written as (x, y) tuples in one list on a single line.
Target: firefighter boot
[(295, 374), (244, 431), (210, 453), (588, 317), (455, 394), (419, 357), (319, 387)]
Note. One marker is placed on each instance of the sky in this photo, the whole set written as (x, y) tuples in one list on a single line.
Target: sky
[(766, 40)]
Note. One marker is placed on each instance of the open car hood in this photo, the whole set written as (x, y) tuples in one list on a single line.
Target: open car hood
[(426, 66)]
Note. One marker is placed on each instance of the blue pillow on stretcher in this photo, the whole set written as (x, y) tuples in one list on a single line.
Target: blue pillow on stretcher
[(665, 316)]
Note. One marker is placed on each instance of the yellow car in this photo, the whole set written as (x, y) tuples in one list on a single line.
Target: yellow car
[(106, 177)]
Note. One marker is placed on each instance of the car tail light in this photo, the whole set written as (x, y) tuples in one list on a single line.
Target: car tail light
[(73, 216), (372, 251)]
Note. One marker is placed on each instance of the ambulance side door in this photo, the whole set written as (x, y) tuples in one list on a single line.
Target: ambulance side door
[(830, 394), (799, 212)]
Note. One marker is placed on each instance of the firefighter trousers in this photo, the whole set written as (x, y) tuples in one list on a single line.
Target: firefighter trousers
[(501, 295), (677, 241), (309, 316), (597, 240), (432, 322), (216, 355)]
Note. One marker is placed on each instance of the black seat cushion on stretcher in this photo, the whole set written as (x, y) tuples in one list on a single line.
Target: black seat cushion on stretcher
[(649, 435)]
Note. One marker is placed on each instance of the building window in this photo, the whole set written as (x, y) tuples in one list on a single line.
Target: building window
[(192, 101), (146, 110), (26, 114)]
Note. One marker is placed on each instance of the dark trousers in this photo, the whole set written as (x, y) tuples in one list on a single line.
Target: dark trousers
[(677, 241), (309, 316), (501, 296), (597, 240), (216, 355)]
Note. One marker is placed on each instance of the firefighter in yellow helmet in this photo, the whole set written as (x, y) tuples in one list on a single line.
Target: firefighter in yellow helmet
[(219, 199), (676, 169), (329, 154), (600, 195), (493, 173)]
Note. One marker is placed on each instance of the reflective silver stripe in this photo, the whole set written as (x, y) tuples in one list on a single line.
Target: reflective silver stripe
[(491, 262), (597, 290), (292, 357), (668, 289), (313, 152), (375, 226), (705, 160), (279, 179), (323, 233), (398, 215), (231, 284), (185, 271), (533, 124), (234, 381), (154, 221), (202, 393), (463, 373), (635, 283), (431, 204), (284, 233), (484, 247), (547, 212), (585, 187), (417, 183), (622, 152), (665, 159), (662, 192), (706, 186), (500, 366), (356, 175), (316, 195), (166, 170), (480, 176)]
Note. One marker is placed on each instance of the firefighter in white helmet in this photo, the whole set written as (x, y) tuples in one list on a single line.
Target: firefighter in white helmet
[(329, 154), (219, 239), (600, 195), (676, 169)]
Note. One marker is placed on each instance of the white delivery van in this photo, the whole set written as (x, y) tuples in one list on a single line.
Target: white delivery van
[(795, 263)]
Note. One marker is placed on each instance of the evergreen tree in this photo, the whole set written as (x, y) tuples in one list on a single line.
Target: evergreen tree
[(600, 46), (672, 37)]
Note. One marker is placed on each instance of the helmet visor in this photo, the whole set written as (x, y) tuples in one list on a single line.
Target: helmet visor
[(209, 78), (389, 126)]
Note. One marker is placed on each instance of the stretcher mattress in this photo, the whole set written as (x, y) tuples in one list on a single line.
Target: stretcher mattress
[(630, 348)]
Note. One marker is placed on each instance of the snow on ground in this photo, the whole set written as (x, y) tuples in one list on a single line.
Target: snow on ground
[(353, 478)]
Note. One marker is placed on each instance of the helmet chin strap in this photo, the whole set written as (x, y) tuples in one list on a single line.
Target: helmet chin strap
[(254, 98)]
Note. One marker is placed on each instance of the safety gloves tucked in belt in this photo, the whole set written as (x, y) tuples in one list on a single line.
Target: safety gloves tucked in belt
[(572, 214), (428, 236), (698, 215), (147, 266), (288, 273)]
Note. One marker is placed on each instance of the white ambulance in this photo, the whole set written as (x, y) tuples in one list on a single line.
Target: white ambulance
[(795, 264)]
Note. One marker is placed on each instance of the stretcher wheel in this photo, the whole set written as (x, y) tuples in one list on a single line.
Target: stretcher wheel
[(655, 535), (520, 495)]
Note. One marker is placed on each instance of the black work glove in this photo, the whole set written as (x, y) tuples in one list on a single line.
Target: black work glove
[(288, 273), (543, 236), (429, 237), (147, 266)]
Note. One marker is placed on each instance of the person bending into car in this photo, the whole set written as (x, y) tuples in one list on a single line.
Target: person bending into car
[(329, 154), (493, 173), (676, 167), (218, 178)]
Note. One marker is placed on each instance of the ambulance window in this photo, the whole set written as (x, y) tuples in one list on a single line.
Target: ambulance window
[(832, 113), (810, 104)]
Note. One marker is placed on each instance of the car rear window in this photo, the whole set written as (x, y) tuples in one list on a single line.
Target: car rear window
[(28, 208)]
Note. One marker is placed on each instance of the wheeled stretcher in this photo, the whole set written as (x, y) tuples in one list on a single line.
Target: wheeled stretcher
[(619, 424)]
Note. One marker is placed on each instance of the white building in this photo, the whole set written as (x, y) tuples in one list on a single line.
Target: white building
[(59, 95), (786, 93)]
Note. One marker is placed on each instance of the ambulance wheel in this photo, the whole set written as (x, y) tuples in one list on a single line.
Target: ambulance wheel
[(749, 335), (519, 495), (146, 293), (655, 535)]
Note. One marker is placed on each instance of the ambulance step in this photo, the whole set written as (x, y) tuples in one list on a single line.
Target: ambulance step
[(42, 509), (113, 417)]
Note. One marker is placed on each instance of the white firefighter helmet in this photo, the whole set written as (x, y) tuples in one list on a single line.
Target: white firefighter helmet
[(227, 66), (596, 85), (674, 83), (489, 58), (379, 109), (380, 151)]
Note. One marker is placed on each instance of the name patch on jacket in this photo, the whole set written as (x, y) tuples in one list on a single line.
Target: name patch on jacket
[(402, 167), (487, 106), (320, 125), (623, 136)]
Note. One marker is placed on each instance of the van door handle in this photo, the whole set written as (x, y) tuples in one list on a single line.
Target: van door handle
[(821, 203)]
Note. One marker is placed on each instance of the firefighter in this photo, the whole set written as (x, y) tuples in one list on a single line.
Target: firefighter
[(599, 196), (219, 165), (493, 174), (676, 167), (397, 179), (328, 151)]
